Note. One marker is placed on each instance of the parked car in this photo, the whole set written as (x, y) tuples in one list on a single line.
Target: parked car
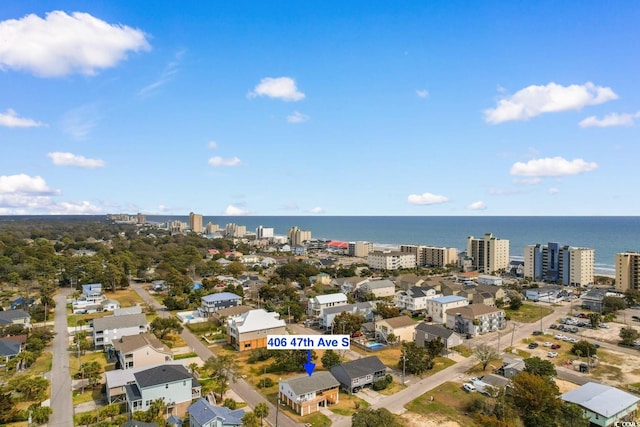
[(553, 326), (560, 336), (547, 344), (555, 346), (552, 354), (469, 387), (537, 333), (533, 345), (603, 325)]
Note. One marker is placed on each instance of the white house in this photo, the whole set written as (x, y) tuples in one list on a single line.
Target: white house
[(437, 307), (110, 328), (318, 303), (485, 279), (379, 288), (415, 298), (604, 405)]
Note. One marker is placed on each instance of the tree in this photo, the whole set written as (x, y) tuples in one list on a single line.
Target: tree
[(515, 302), (632, 297), (583, 348), (375, 418), (537, 366), (329, 359), (223, 368), (536, 400), (162, 326), (261, 410), (613, 304), (595, 319), (250, 420), (387, 311), (40, 414), (435, 347), (628, 335), (573, 415), (86, 419), (81, 342), (290, 360), (485, 354), (347, 323), (91, 371), (416, 359), (7, 410)]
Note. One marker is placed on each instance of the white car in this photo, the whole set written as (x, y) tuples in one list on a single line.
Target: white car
[(560, 336), (469, 387), (547, 344), (552, 354)]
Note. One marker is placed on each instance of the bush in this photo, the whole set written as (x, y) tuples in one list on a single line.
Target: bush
[(265, 382), (380, 384), (230, 403), (389, 378), (259, 355)]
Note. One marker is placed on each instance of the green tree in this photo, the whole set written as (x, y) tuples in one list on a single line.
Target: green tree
[(7, 408), (109, 411), (536, 399), (416, 359), (261, 410), (435, 347), (91, 371), (330, 359), (573, 416), (515, 302), (162, 326), (595, 319), (537, 366), (387, 311), (223, 369), (347, 323), (613, 304), (81, 342), (40, 414), (583, 348), (632, 297), (290, 360), (628, 335), (86, 419), (250, 420), (375, 418), (485, 355)]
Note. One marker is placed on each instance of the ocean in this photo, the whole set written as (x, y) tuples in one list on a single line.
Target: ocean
[(608, 235)]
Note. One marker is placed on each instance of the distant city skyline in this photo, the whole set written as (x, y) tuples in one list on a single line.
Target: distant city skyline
[(338, 109)]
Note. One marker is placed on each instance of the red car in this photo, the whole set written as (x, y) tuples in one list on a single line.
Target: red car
[(556, 346)]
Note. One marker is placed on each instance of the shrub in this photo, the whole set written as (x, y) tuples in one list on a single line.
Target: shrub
[(265, 382), (380, 384)]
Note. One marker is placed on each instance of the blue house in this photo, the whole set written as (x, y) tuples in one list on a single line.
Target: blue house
[(204, 414), (209, 304)]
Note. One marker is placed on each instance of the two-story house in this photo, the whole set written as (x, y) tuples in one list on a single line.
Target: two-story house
[(204, 414), (249, 330), (401, 328), (359, 373), (426, 332), (91, 299), (348, 285), (15, 317), (378, 288), (140, 350), (307, 394), (209, 304), (110, 328), (437, 307), (365, 309), (415, 298), (476, 319), (318, 303), (171, 383)]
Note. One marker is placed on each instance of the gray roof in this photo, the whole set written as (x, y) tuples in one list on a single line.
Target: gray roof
[(359, 367), (9, 348), (437, 330), (204, 412), (136, 423), (8, 316), (380, 284), (318, 381), (161, 375), (133, 392), (361, 306), (222, 296), (116, 322), (601, 399), (495, 380)]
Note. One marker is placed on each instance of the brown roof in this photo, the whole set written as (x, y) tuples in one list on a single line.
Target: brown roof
[(475, 310), (129, 343), (399, 322), (232, 311), (15, 338)]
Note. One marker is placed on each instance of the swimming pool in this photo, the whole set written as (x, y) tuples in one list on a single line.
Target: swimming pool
[(374, 345)]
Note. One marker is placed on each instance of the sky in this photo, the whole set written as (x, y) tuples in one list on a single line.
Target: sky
[(319, 108)]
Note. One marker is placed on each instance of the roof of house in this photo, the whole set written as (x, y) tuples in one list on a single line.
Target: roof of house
[(352, 280), (321, 380), (116, 322), (161, 374), (380, 284), (399, 322), (601, 399), (8, 316), (410, 278), (22, 338), (475, 310), (448, 299), (495, 380), (257, 320), (134, 309), (136, 423), (203, 412), (120, 377), (232, 311), (436, 330), (222, 296), (349, 307), (9, 348), (419, 291), (360, 367), (129, 343), (331, 298)]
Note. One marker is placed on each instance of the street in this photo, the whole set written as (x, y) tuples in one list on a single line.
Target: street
[(61, 399)]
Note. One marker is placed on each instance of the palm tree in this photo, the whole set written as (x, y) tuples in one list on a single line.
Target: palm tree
[(261, 410)]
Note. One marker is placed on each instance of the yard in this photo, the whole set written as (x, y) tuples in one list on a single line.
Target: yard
[(126, 297), (444, 403), (528, 313)]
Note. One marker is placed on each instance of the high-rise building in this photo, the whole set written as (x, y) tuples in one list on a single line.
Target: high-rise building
[(211, 228), (628, 271), (390, 260), (141, 218), (195, 222), (489, 254), (432, 256), (235, 230), (297, 237), (360, 249), (566, 265), (264, 232)]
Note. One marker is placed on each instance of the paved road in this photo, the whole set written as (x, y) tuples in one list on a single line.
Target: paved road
[(61, 403), (240, 387)]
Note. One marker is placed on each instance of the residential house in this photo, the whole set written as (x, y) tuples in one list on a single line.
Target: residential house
[(22, 302), (426, 332), (249, 330), (550, 294), (496, 292), (364, 309), (14, 317), (307, 394), (110, 305), (359, 373), (90, 300), (348, 285), (378, 288), (204, 414), (407, 281), (8, 350), (476, 319), (159, 286), (516, 268), (604, 405), (450, 287), (209, 304), (485, 279), (171, 383), (592, 300), (320, 279), (415, 298), (511, 366), (134, 309), (224, 313), (402, 328), (482, 297), (491, 384), (116, 380), (111, 328), (437, 307), (133, 351), (320, 302)]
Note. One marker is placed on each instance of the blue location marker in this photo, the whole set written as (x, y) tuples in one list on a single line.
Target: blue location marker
[(309, 367)]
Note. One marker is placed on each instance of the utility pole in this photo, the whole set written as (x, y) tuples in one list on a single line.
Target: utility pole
[(404, 365), (278, 403), (513, 332)]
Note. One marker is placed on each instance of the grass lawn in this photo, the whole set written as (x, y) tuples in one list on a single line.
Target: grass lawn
[(42, 363), (463, 350), (390, 356), (449, 401), (348, 404), (72, 319), (173, 341), (126, 297), (89, 395), (528, 313), (89, 356)]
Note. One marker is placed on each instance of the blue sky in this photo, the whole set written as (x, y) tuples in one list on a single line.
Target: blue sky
[(319, 108)]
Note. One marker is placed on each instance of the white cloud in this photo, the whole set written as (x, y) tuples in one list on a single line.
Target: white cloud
[(613, 119), (74, 208), (10, 119), (64, 44), (316, 210), (165, 77), (24, 184), (552, 166), (537, 99), (477, 206), (426, 199), (297, 117), (553, 191), (218, 161), (212, 145), (279, 87), (422, 93), (70, 159), (528, 181), (80, 122), (235, 211)]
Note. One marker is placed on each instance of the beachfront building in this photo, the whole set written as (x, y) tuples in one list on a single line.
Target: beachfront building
[(431, 256), (390, 260), (360, 249), (437, 307), (195, 222), (565, 265), (628, 271), (297, 237), (476, 319), (264, 232), (249, 330), (488, 254)]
